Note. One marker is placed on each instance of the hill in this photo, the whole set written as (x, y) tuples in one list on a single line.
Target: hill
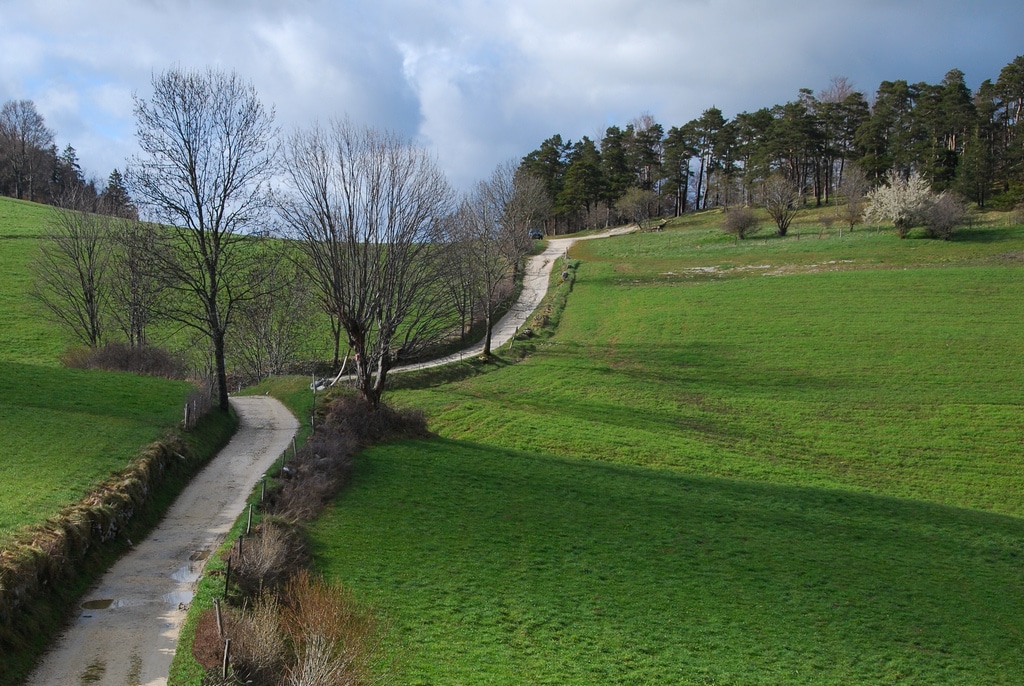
[(749, 462), (61, 430)]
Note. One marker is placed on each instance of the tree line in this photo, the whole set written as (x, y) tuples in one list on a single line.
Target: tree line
[(32, 168), (958, 141), (378, 242)]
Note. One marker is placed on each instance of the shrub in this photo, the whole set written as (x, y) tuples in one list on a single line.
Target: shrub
[(259, 651), (121, 357), (353, 416), (272, 554), (333, 640), (740, 222), (943, 216)]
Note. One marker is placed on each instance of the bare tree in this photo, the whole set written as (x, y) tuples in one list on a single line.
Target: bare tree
[(368, 209), (274, 328), (25, 142), (525, 203), (781, 197), (459, 277), (853, 188), (487, 244), (71, 270), (207, 153), (135, 288)]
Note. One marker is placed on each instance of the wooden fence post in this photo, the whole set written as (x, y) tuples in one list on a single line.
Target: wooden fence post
[(220, 622), (227, 658)]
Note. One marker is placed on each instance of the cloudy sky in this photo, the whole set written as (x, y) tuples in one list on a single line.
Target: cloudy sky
[(483, 81)]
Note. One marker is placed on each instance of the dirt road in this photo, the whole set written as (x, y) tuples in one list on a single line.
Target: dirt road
[(128, 627), (535, 286)]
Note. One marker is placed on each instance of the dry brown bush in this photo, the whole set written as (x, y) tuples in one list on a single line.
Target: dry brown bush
[(334, 641), (740, 222), (314, 476), (148, 360), (353, 416), (272, 554), (943, 216), (258, 644)]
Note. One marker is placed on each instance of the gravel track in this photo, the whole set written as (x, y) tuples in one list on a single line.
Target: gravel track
[(128, 627)]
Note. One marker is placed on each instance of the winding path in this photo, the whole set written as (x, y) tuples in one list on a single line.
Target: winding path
[(128, 629), (535, 287)]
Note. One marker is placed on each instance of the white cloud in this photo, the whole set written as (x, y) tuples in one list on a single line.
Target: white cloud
[(481, 80)]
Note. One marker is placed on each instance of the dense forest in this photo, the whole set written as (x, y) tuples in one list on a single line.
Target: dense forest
[(960, 142)]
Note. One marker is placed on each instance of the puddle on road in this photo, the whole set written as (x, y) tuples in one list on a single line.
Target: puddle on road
[(190, 573), (178, 597), (98, 604), (186, 574), (110, 603)]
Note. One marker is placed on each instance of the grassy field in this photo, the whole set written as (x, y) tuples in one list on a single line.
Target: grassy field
[(499, 567), (771, 461), (61, 430), (27, 333)]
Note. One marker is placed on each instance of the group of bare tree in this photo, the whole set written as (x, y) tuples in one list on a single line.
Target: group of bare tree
[(376, 240), (93, 273)]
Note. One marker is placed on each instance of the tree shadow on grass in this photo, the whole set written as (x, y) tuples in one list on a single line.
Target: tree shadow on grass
[(631, 559), (987, 234)]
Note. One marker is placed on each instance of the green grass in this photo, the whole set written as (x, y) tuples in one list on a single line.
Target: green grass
[(27, 332), (756, 462), (501, 567), (899, 382), (19, 218), (63, 430)]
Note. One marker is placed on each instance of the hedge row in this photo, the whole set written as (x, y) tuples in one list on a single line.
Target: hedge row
[(48, 566)]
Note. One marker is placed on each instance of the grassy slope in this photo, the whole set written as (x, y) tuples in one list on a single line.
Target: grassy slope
[(501, 567), (61, 430), (565, 530), (27, 333)]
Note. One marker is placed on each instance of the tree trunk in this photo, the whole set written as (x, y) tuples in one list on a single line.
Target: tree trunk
[(487, 334), (222, 373)]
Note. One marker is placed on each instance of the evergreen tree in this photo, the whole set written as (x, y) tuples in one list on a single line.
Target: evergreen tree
[(115, 200)]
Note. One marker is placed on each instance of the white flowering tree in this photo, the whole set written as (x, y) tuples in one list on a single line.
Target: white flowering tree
[(904, 202)]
